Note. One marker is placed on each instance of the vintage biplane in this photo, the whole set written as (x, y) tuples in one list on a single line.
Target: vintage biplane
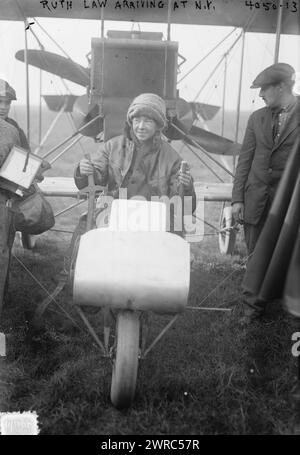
[(109, 87), (120, 66)]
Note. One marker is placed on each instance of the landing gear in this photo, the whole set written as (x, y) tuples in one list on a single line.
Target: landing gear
[(227, 235), (125, 365)]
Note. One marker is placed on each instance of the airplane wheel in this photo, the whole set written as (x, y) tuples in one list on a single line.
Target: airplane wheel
[(28, 241), (227, 238), (125, 366)]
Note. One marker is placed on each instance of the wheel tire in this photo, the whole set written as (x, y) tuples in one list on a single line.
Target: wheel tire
[(227, 239), (125, 366)]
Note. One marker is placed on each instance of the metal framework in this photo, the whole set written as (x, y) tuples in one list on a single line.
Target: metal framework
[(51, 297)]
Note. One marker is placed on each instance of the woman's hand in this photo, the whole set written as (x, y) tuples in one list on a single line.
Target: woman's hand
[(86, 167), (185, 178)]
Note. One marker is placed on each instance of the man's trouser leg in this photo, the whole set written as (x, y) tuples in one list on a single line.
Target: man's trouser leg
[(252, 233), (255, 308), (6, 241)]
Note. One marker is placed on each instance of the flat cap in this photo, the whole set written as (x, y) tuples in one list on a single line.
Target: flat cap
[(274, 74), (6, 90)]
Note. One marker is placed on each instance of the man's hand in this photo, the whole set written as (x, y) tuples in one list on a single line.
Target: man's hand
[(238, 212), (86, 167), (44, 167), (185, 178)]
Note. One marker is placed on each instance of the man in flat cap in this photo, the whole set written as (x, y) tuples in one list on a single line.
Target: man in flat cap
[(269, 138), (10, 135)]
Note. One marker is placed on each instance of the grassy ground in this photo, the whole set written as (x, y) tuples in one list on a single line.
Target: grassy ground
[(208, 375)]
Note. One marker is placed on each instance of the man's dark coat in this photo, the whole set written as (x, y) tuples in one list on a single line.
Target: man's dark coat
[(262, 162)]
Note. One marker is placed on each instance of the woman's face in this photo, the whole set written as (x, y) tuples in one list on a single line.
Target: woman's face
[(144, 128)]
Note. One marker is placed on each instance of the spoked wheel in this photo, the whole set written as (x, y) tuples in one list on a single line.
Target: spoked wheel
[(125, 365), (227, 238)]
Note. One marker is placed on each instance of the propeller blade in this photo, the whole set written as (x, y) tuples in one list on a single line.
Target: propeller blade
[(56, 102), (203, 110), (213, 143), (112, 124), (114, 111), (184, 113), (56, 64), (83, 113)]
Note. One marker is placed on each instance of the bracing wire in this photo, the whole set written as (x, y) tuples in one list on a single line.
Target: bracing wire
[(59, 47), (70, 118), (207, 55)]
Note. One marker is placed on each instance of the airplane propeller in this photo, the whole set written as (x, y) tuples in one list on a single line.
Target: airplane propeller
[(56, 64), (115, 109)]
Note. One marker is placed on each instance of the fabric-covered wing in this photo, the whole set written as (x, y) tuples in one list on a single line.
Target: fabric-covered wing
[(234, 13)]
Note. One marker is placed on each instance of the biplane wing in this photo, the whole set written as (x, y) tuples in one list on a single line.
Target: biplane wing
[(233, 13), (213, 191), (201, 12), (65, 187)]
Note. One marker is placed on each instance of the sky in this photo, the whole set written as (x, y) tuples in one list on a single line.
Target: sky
[(194, 43)]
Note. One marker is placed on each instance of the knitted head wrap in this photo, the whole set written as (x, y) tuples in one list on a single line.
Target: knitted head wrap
[(150, 105)]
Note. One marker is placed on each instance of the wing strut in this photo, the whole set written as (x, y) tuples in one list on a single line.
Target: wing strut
[(207, 55), (102, 65), (166, 47), (218, 64), (224, 92), (169, 20), (27, 83), (243, 34), (64, 106), (239, 96), (26, 28), (278, 31)]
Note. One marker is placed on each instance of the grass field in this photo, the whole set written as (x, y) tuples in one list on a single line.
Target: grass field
[(208, 375)]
